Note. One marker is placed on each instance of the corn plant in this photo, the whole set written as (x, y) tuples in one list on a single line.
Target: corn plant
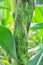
[(16, 43)]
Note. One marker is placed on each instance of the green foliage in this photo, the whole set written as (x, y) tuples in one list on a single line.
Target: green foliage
[(4, 62), (23, 18), (7, 41), (37, 26), (38, 14), (36, 59), (3, 7)]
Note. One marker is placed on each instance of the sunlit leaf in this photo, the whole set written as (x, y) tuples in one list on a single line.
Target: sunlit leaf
[(38, 14), (4, 7), (4, 61), (37, 26)]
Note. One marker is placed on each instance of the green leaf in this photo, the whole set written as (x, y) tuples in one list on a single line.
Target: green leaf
[(4, 7), (38, 14), (37, 26), (7, 41), (4, 61), (37, 59)]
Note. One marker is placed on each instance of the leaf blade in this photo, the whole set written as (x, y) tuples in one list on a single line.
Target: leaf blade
[(37, 26), (7, 41)]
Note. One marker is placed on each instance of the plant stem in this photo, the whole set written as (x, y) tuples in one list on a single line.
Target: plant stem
[(21, 28)]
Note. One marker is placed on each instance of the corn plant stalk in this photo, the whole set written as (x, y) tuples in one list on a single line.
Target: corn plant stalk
[(21, 27)]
